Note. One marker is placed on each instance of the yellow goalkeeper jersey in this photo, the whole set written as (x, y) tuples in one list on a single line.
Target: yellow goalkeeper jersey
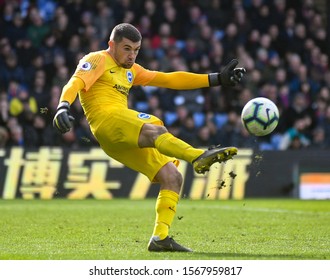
[(107, 85)]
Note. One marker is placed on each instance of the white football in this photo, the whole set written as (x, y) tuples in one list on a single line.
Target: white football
[(260, 116)]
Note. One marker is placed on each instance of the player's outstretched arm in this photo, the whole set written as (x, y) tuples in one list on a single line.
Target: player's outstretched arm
[(229, 76)]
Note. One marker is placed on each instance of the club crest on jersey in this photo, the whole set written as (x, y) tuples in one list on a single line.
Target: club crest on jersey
[(86, 66), (144, 116), (129, 76)]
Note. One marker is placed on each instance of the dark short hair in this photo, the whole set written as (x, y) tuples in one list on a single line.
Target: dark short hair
[(125, 30)]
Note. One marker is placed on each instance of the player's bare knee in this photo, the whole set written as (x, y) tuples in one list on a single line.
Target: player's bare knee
[(149, 133), (173, 181), (176, 178), (161, 129), (170, 178)]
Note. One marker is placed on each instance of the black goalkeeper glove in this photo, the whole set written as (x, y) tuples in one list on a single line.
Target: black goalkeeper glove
[(63, 120), (229, 76)]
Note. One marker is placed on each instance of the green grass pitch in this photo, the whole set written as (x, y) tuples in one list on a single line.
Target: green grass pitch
[(252, 229)]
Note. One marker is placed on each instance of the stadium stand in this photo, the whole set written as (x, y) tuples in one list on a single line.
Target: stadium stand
[(282, 44)]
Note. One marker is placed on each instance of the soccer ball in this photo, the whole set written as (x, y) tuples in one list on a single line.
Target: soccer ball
[(260, 116)]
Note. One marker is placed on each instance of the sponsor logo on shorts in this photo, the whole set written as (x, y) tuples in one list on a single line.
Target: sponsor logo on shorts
[(129, 76), (144, 116)]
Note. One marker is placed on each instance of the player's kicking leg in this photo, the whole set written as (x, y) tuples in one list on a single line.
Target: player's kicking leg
[(172, 146), (212, 155)]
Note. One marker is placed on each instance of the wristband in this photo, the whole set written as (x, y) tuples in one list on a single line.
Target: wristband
[(63, 104), (214, 79)]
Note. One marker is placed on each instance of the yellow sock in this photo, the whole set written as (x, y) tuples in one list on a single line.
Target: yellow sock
[(165, 211), (171, 146)]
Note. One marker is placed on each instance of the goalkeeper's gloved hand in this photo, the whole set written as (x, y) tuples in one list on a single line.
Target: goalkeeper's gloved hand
[(229, 76), (63, 120)]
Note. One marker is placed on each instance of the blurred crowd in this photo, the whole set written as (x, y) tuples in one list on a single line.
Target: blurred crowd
[(282, 44)]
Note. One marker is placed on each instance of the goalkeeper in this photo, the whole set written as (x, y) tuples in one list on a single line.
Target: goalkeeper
[(138, 140)]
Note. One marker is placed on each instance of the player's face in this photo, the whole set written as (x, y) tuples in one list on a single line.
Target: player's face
[(125, 52)]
